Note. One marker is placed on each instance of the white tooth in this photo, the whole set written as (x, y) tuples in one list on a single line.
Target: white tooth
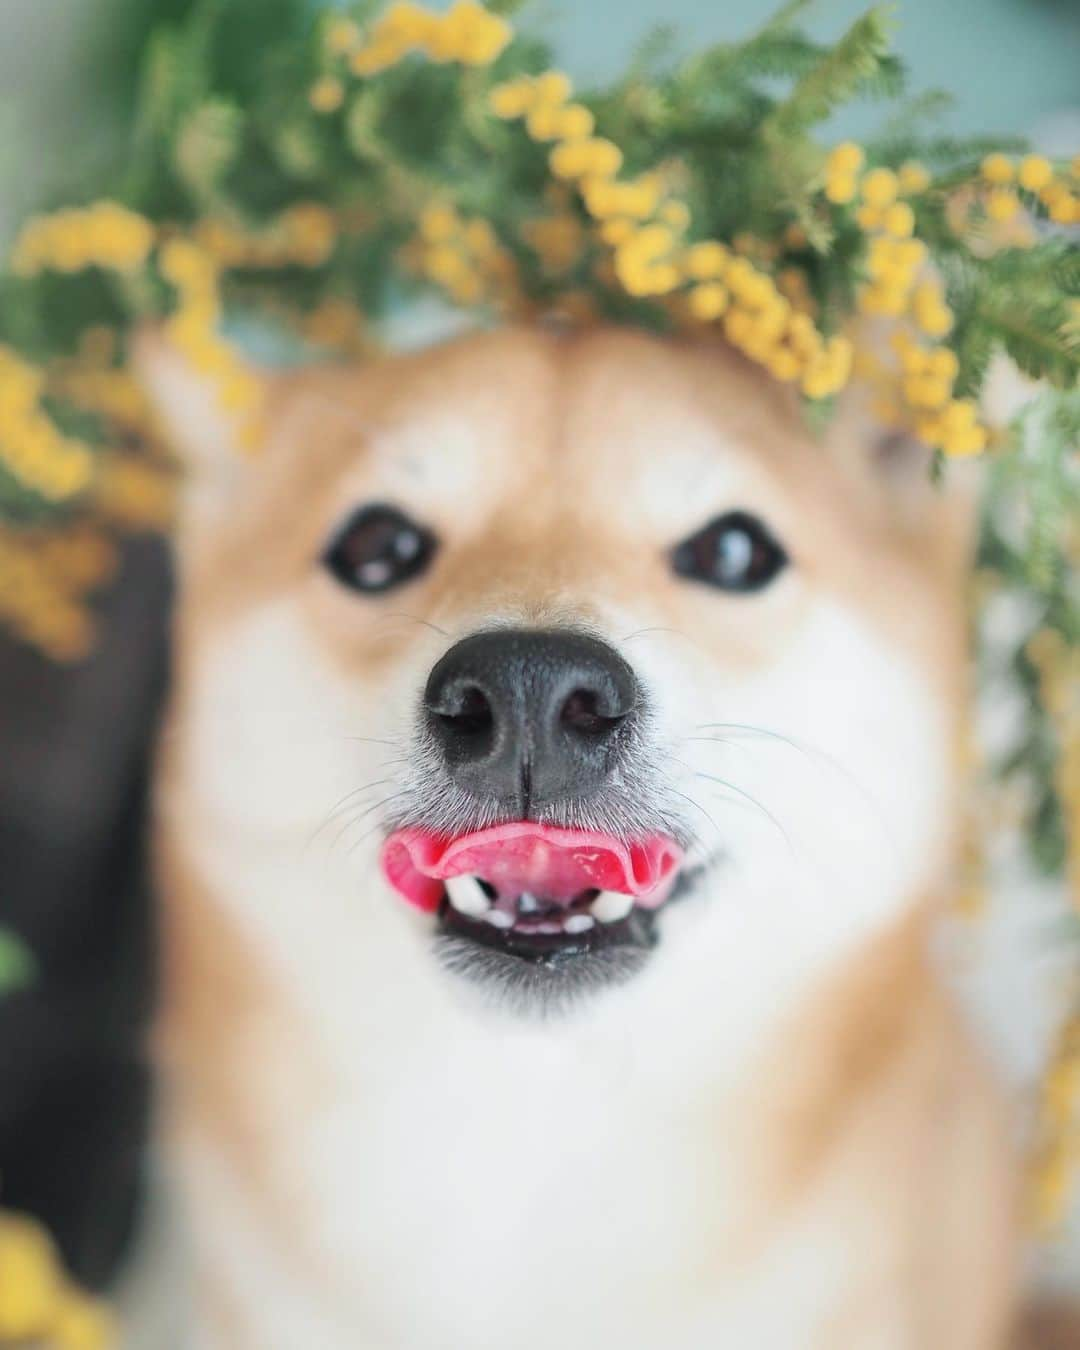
[(548, 927), (498, 918), (610, 906), (527, 903), (579, 923), (467, 896)]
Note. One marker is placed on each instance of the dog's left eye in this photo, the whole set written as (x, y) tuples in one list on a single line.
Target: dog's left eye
[(734, 552), (379, 548)]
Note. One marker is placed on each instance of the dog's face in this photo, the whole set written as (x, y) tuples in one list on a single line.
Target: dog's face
[(575, 660)]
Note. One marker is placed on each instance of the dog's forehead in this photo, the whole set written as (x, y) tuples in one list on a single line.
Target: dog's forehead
[(481, 420)]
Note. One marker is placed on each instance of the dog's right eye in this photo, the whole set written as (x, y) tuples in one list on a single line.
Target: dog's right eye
[(735, 552), (379, 548)]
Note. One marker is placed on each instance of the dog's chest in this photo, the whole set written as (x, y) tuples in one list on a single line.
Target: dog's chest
[(490, 1195), (504, 1181)]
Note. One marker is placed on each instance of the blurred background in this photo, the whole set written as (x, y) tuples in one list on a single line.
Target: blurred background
[(68, 68), (75, 1097)]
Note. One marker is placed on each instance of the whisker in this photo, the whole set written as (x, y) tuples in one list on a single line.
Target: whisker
[(349, 796), (812, 753), (371, 830), (698, 806), (731, 787), (367, 811), (644, 632), (412, 618)]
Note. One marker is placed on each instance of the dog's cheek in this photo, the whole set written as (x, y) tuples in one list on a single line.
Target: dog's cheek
[(845, 743), (276, 732)]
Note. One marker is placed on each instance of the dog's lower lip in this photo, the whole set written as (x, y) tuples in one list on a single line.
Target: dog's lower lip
[(546, 973)]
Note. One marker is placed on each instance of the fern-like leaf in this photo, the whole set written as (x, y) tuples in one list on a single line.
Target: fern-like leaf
[(836, 77)]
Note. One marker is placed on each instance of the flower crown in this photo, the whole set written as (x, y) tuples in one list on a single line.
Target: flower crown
[(317, 171)]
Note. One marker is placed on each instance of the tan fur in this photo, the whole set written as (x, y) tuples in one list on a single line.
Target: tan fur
[(866, 1101), (880, 1068)]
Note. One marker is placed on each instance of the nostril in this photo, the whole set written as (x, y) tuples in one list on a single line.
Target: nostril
[(586, 713), (529, 718), (466, 710)]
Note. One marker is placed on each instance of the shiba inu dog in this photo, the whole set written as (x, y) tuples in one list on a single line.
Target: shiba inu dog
[(558, 794)]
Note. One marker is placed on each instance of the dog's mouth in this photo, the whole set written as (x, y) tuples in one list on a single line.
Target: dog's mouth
[(534, 907)]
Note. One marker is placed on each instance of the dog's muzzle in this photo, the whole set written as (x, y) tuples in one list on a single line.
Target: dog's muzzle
[(536, 890)]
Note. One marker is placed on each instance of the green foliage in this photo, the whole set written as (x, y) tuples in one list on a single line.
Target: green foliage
[(16, 963), (836, 76), (1033, 505)]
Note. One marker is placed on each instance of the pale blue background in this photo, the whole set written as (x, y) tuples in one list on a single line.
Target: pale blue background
[(1012, 65)]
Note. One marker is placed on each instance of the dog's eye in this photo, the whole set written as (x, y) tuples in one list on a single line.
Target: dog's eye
[(379, 548), (734, 552)]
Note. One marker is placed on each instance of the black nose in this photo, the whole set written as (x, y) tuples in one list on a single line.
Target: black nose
[(531, 718)]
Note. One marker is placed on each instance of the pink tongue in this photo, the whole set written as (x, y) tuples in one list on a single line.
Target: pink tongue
[(552, 863)]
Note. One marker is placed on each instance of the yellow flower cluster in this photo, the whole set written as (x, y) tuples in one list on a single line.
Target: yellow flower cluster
[(81, 556), (929, 310), (913, 178), (1035, 175), (341, 36), (928, 377), (37, 1303), (792, 284), (38, 604), (646, 230), (557, 240), (543, 101), (1058, 1157), (893, 266), (842, 172), (303, 236), (760, 250), (327, 94), (112, 393), (894, 259), (338, 323), (878, 189), (589, 161), (894, 263), (645, 260), (464, 257), (193, 329), (467, 32), (761, 321), (103, 235), (33, 450), (135, 493)]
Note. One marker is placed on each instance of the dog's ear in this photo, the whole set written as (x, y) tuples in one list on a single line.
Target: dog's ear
[(208, 437)]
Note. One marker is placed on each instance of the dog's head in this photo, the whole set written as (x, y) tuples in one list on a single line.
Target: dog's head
[(576, 660)]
